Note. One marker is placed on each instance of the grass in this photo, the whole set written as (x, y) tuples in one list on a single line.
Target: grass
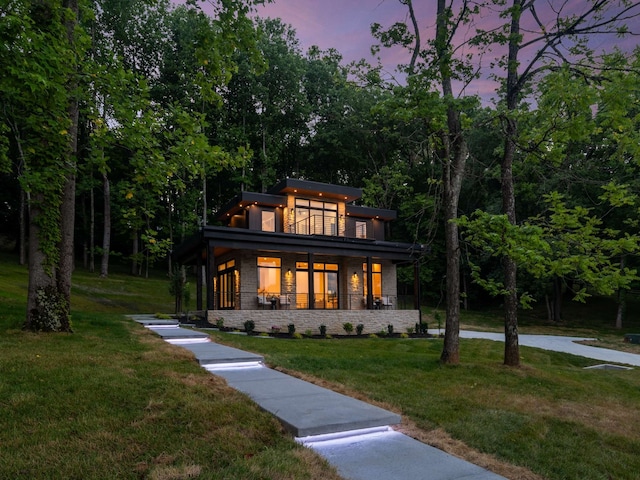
[(112, 400), (549, 419)]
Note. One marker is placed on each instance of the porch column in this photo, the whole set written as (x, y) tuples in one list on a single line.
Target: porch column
[(416, 289), (312, 290), (199, 281), (210, 270), (369, 284)]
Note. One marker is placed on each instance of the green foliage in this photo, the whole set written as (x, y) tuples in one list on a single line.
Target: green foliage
[(566, 242), (359, 329), (323, 330), (249, 326), (390, 329), (348, 327), (291, 328)]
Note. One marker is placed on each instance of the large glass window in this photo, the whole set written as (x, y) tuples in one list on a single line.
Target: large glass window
[(268, 277), (376, 280), (227, 285), (361, 229), (325, 285), (316, 217)]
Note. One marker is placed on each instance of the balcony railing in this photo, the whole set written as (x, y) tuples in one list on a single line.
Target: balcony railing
[(328, 226), (300, 301)]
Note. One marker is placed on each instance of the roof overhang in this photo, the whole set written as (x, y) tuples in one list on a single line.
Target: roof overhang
[(243, 239), (294, 186), (246, 199), (368, 212)]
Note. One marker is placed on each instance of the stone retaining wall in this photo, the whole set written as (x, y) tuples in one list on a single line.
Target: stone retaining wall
[(374, 321)]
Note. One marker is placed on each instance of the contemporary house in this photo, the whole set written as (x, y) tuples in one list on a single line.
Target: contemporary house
[(302, 253)]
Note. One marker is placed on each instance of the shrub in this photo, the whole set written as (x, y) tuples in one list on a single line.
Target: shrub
[(359, 329), (308, 333), (323, 330), (291, 328), (275, 329), (162, 316), (373, 335), (390, 329), (348, 327), (421, 328), (249, 326), (328, 337), (410, 330), (220, 323), (404, 335), (296, 335)]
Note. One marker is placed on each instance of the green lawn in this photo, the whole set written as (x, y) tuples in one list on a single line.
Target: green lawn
[(113, 401), (549, 416)]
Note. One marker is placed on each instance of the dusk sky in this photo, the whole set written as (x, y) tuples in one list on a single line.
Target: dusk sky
[(346, 26)]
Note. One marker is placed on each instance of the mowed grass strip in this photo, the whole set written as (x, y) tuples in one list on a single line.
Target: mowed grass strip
[(550, 416), (112, 400)]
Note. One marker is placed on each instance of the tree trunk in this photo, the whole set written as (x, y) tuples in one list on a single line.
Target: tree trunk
[(106, 232), (23, 229), (511, 347), (134, 253), (557, 299), (622, 297), (454, 156), (92, 230)]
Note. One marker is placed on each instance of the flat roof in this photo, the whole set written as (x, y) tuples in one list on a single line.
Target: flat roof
[(316, 189)]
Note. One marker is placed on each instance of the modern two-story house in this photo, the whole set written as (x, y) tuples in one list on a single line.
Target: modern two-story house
[(302, 253)]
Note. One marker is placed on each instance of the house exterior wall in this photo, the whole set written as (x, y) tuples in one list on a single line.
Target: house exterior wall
[(351, 278), (374, 321)]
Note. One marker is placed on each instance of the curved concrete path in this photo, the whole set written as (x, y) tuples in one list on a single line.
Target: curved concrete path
[(561, 344)]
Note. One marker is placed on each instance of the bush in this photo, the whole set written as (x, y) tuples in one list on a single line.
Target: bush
[(291, 328), (390, 329), (348, 327), (296, 335), (359, 329), (410, 330), (220, 323), (373, 335), (404, 335), (323, 330), (249, 326)]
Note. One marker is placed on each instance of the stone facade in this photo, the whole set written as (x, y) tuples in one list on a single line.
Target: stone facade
[(374, 321)]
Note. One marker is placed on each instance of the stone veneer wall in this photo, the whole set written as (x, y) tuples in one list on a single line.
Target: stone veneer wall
[(373, 320)]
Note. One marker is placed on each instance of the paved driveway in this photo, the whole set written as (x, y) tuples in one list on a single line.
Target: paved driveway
[(562, 344)]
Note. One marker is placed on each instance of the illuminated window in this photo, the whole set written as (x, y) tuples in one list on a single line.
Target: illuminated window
[(268, 221), (269, 276), (361, 229), (316, 218), (376, 279)]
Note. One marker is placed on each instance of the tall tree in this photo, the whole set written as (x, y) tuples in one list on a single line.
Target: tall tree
[(445, 118), (554, 36), (41, 105)]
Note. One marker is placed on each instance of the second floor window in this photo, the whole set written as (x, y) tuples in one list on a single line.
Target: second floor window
[(268, 221), (316, 218)]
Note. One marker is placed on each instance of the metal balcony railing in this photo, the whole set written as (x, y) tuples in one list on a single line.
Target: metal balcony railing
[(300, 301)]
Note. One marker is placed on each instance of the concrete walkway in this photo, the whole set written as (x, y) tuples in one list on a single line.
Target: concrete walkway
[(562, 344), (352, 435)]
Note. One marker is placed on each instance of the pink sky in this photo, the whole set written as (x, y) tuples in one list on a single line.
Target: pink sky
[(346, 26)]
